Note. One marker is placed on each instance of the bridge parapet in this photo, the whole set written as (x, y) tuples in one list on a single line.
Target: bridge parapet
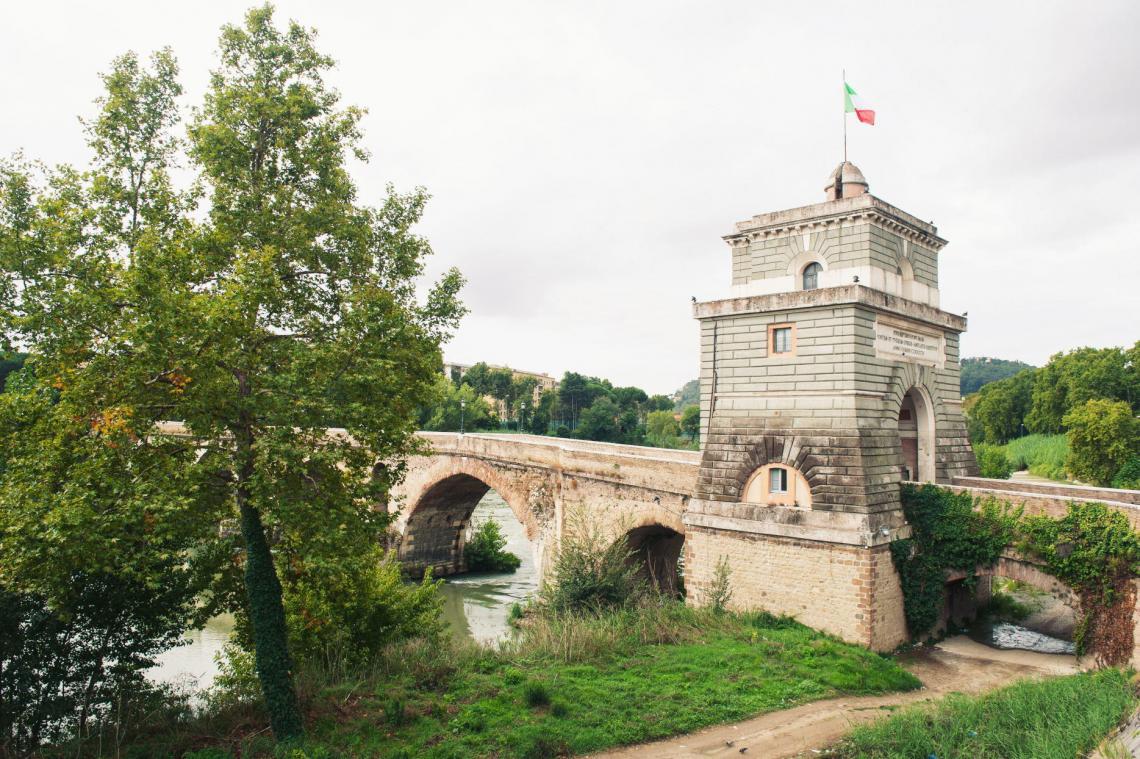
[(1039, 501), (655, 468), (1060, 489)]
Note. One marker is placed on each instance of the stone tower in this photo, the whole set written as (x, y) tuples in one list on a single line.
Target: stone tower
[(829, 376)]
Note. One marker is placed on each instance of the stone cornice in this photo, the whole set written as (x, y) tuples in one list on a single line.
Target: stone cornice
[(857, 295), (822, 215)]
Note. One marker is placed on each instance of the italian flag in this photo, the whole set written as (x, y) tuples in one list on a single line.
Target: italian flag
[(852, 104)]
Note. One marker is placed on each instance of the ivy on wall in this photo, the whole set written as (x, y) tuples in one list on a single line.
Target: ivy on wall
[(947, 535), (1093, 549)]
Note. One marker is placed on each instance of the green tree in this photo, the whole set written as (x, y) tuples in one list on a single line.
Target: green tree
[(691, 421), (485, 550), (996, 413), (1103, 437), (478, 376), (600, 422), (661, 429), (545, 413), (659, 403), (457, 407), (1070, 379), (244, 317)]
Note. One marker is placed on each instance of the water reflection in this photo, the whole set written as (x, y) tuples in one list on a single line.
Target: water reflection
[(192, 666), (476, 606)]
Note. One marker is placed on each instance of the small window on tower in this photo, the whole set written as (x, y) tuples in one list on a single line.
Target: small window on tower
[(811, 275), (782, 340), (777, 480)]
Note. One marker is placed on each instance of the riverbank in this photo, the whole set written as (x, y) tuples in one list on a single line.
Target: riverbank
[(566, 686), (957, 665)]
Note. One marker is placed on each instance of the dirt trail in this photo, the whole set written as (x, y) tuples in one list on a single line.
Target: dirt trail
[(957, 664)]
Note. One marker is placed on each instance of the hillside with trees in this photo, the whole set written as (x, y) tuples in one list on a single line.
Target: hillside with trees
[(977, 372), (1075, 417)]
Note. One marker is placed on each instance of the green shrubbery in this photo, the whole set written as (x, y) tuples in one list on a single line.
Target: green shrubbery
[(1128, 476), (343, 615), (483, 552), (993, 461), (1104, 437), (591, 572), (947, 534)]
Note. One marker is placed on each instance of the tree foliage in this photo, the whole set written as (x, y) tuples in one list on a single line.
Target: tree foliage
[(1103, 437), (253, 306)]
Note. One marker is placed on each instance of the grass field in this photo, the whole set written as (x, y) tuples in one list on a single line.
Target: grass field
[(1042, 455), (572, 685), (1057, 718)]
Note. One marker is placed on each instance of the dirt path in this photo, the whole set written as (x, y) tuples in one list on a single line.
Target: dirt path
[(956, 664)]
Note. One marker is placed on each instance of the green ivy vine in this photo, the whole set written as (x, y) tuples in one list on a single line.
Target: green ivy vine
[(1092, 549), (947, 535)]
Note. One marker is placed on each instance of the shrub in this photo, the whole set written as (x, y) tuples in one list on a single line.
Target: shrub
[(343, 615), (77, 670), (1103, 436), (1128, 476), (590, 572), (484, 552), (993, 462), (720, 593)]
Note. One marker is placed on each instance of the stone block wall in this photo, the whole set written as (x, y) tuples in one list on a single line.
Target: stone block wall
[(848, 591)]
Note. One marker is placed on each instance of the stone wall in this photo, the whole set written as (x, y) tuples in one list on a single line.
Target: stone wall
[(849, 591)]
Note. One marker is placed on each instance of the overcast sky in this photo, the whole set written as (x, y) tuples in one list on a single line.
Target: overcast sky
[(585, 158)]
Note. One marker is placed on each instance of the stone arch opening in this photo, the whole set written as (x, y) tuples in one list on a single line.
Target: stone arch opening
[(658, 550), (916, 429), (440, 522), (1013, 604)]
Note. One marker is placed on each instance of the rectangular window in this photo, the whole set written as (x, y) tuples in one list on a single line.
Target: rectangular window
[(782, 340), (777, 480)]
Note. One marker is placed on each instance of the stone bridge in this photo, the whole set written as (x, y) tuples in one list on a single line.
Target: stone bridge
[(551, 484)]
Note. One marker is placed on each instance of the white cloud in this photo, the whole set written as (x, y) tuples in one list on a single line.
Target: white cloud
[(585, 158)]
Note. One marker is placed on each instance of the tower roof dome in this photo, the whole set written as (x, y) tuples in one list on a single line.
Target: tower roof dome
[(846, 182)]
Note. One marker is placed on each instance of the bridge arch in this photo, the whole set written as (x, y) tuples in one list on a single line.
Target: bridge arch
[(657, 550), (437, 511), (962, 605)]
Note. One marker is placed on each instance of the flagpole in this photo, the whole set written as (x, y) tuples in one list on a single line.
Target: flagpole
[(845, 115)]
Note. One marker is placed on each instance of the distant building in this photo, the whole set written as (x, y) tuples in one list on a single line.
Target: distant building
[(544, 382)]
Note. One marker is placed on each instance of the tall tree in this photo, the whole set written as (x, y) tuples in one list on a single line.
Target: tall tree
[(278, 303)]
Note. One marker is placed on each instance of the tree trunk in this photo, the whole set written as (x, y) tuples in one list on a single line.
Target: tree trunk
[(266, 612)]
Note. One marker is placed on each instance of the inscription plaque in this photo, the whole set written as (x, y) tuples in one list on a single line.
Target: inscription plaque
[(899, 341)]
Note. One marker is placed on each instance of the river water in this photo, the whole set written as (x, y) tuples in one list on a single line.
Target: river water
[(475, 606)]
